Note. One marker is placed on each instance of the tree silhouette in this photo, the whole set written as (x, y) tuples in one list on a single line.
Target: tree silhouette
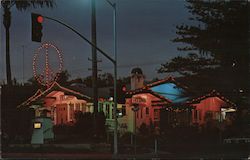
[(21, 5), (217, 46)]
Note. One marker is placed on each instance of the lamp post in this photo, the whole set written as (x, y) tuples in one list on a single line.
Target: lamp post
[(113, 5)]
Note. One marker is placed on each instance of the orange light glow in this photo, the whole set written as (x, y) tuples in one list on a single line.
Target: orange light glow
[(37, 125)]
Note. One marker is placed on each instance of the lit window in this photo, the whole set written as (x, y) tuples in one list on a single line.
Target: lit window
[(37, 125)]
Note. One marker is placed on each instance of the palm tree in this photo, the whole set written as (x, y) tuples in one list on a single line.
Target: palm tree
[(21, 5)]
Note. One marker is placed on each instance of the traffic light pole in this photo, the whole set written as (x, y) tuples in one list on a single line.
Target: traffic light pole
[(84, 38), (113, 5), (114, 61)]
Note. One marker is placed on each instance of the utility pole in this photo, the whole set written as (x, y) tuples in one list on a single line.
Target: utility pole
[(6, 22), (94, 59), (23, 64)]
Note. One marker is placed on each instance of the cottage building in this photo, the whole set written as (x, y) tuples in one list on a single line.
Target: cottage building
[(60, 102), (212, 106), (144, 102)]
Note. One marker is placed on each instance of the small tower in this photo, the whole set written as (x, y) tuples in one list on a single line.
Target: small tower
[(137, 78)]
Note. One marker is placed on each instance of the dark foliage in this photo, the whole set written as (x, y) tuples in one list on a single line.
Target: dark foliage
[(16, 122), (217, 46), (85, 124), (20, 5)]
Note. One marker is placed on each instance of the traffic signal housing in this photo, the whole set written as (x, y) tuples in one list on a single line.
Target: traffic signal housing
[(121, 92), (37, 27)]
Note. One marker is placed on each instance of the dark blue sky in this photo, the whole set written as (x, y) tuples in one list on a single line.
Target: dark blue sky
[(145, 28)]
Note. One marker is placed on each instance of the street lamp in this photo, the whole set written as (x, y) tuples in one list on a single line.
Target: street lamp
[(113, 5)]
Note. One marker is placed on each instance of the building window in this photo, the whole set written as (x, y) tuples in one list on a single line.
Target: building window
[(113, 113), (199, 115), (141, 112), (195, 115), (123, 110), (218, 116), (208, 116), (107, 111), (156, 114), (83, 107), (61, 97), (78, 106), (147, 111), (100, 108)]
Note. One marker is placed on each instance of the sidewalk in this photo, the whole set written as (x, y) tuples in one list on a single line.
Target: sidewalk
[(27, 156)]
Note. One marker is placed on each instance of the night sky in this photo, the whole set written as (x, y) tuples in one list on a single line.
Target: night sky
[(145, 28)]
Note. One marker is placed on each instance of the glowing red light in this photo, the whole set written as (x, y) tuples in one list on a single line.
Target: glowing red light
[(124, 88), (40, 19)]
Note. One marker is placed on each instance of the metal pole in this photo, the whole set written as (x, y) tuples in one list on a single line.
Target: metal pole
[(94, 63), (6, 22), (1, 120), (135, 134), (23, 64), (115, 81), (113, 5)]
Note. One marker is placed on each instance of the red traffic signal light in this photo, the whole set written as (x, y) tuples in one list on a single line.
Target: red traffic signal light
[(40, 19), (37, 27)]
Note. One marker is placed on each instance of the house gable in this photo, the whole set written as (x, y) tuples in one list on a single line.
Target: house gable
[(54, 89)]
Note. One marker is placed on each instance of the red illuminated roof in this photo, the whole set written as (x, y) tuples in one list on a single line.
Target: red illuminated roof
[(147, 90), (214, 93), (54, 87)]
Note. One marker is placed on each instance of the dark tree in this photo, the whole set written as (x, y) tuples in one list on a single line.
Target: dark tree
[(21, 5), (105, 80), (84, 124), (217, 46), (63, 78)]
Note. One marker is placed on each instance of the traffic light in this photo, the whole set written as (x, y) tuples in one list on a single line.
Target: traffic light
[(121, 92), (37, 27)]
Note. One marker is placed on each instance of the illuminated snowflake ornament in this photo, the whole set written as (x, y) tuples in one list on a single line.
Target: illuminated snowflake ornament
[(47, 64)]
